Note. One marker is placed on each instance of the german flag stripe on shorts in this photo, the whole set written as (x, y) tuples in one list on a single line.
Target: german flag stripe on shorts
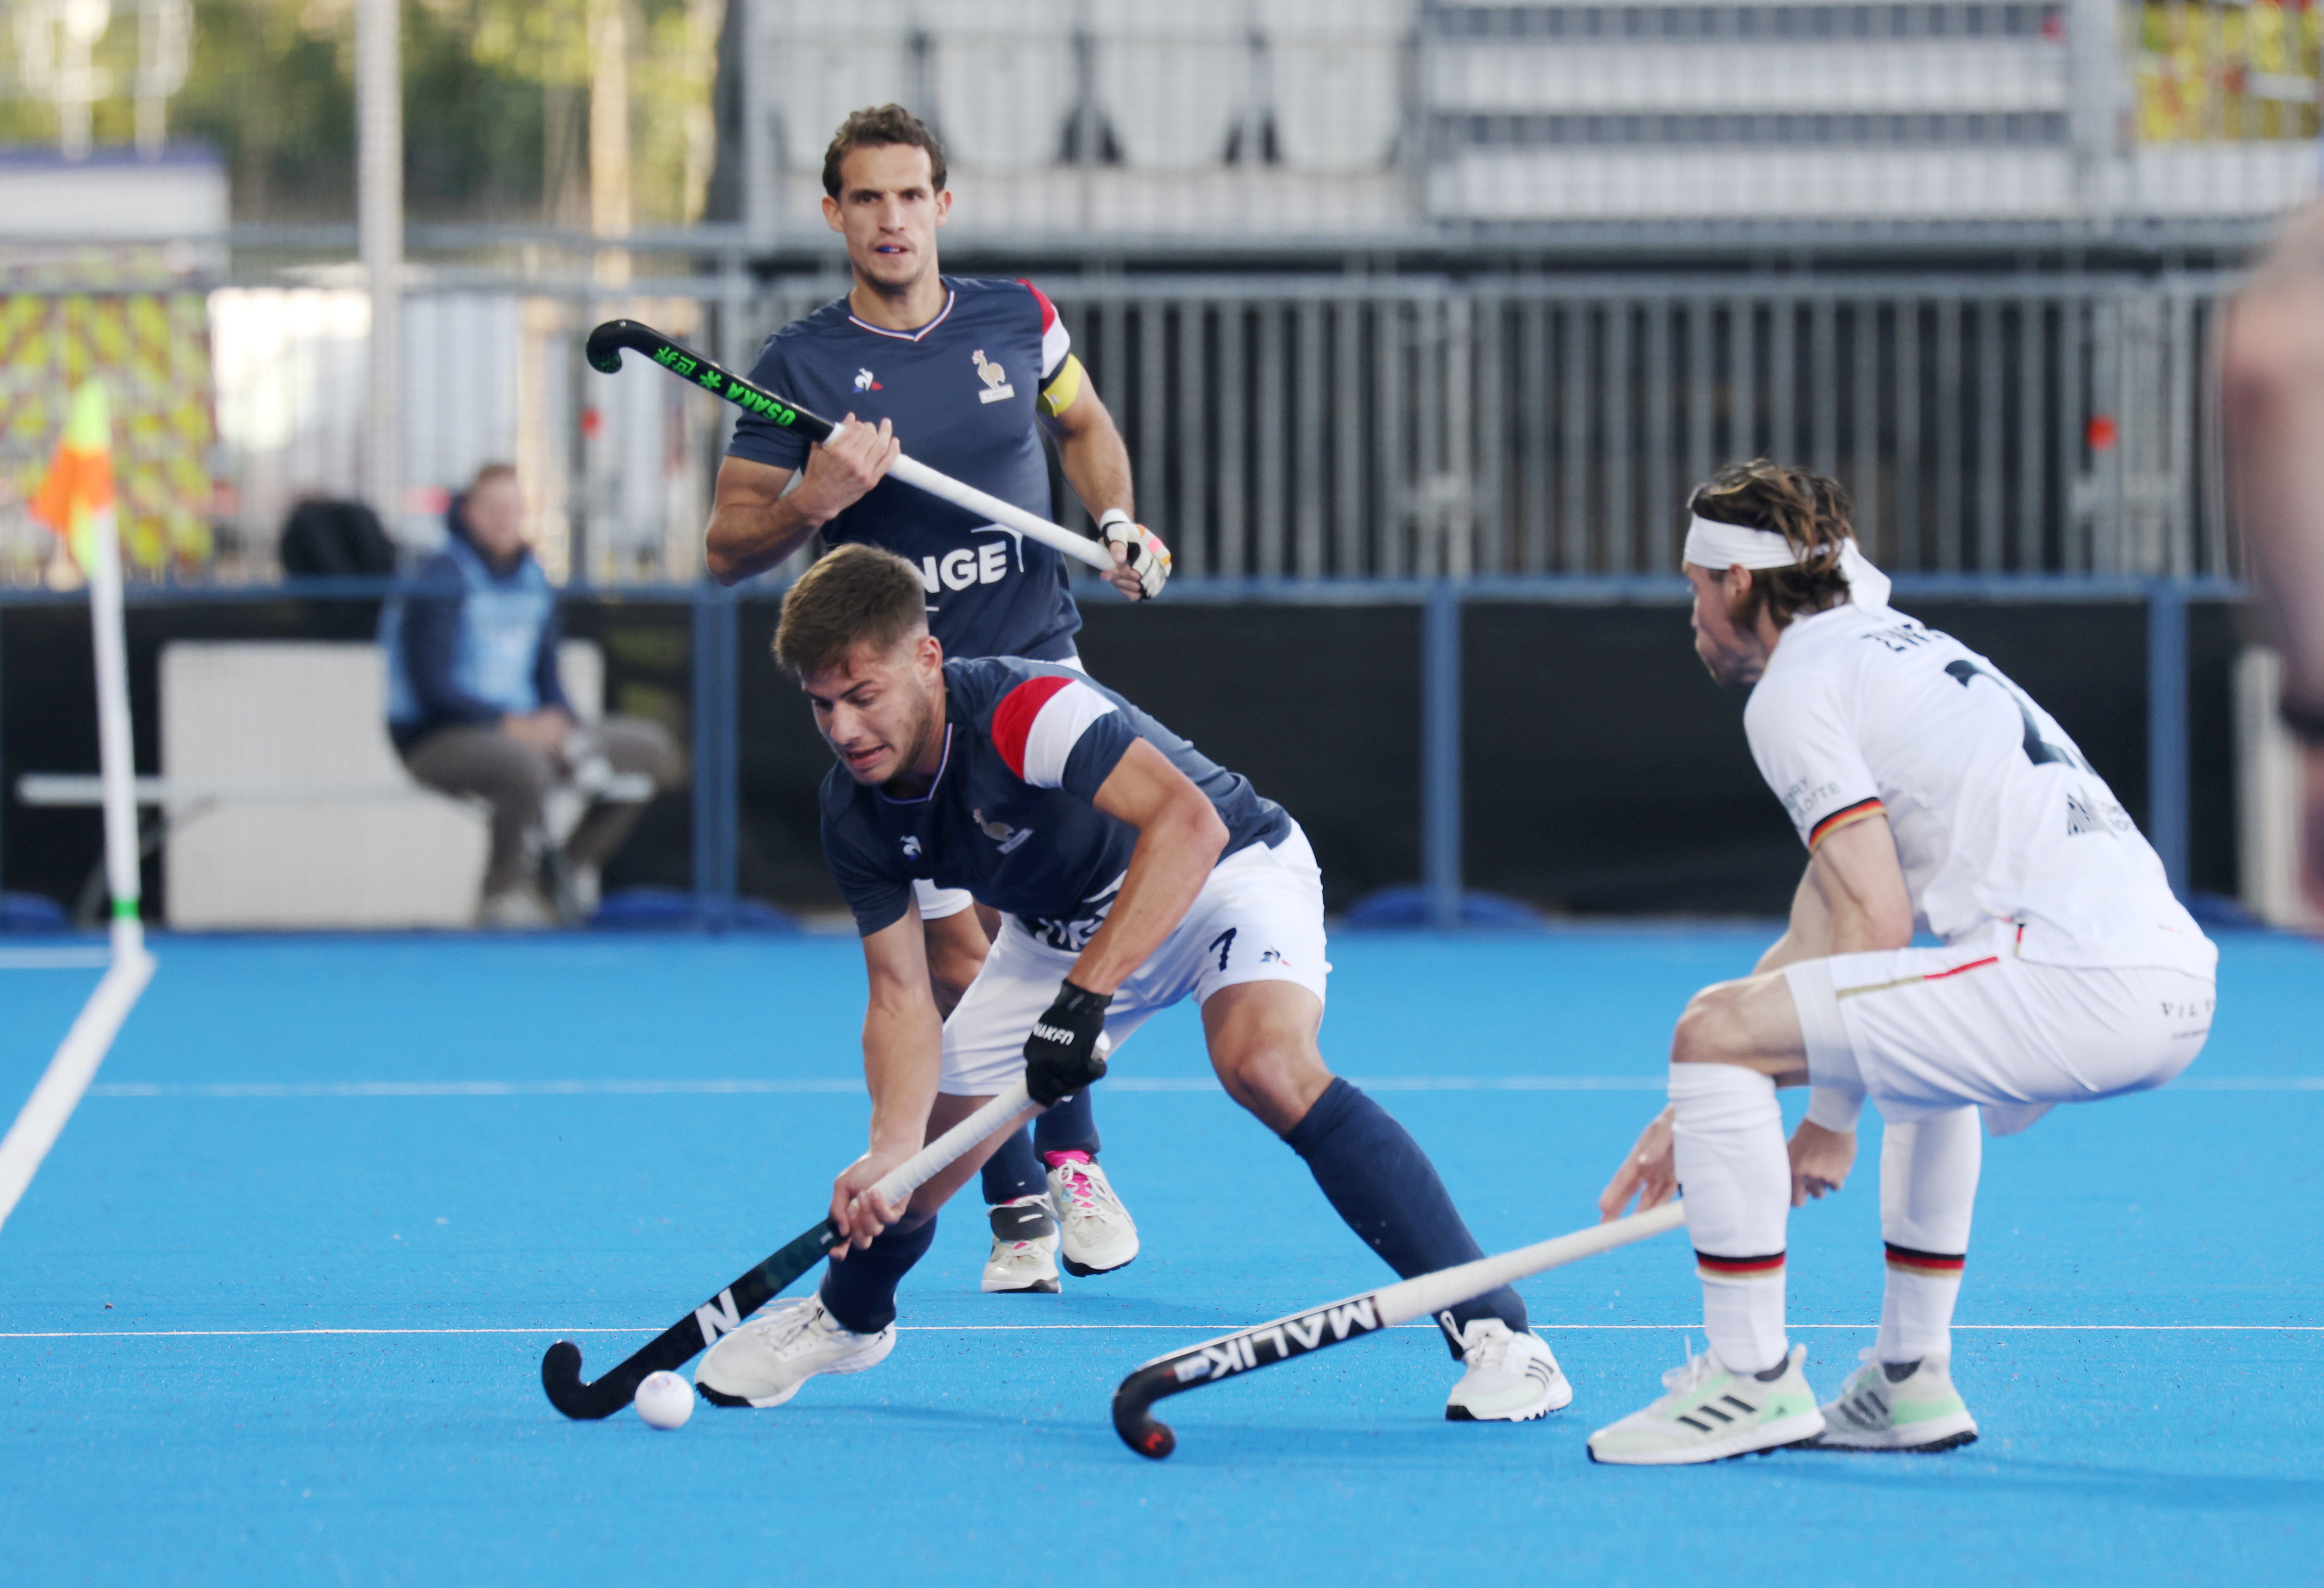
[(1931, 1265), (1739, 1267)]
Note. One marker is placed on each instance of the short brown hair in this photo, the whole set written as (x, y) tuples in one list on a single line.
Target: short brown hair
[(859, 596), (490, 472), (877, 126), (1809, 510)]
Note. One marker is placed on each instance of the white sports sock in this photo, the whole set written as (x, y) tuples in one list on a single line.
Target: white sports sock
[(1728, 1141), (1928, 1189)]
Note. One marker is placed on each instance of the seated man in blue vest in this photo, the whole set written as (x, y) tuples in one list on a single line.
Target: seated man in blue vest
[(476, 707)]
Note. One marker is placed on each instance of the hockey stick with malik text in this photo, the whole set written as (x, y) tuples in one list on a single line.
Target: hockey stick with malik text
[(1338, 1321), (604, 351), (560, 1369)]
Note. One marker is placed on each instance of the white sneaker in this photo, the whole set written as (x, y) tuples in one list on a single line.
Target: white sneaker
[(1023, 1249), (1098, 1236), (1920, 1411), (1710, 1414), (1511, 1379), (765, 1362)]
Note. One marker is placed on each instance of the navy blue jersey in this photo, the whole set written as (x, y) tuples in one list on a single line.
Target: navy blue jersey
[(1009, 817), (960, 392)]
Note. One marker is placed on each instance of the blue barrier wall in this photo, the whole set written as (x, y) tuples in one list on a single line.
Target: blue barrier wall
[(1550, 738)]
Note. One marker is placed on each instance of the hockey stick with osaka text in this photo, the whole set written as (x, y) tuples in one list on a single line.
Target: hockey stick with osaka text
[(1338, 1321), (674, 1347), (605, 350)]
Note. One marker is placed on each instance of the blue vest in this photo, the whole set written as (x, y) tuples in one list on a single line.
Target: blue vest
[(501, 619)]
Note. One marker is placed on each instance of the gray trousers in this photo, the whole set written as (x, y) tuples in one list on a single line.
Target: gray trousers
[(515, 780)]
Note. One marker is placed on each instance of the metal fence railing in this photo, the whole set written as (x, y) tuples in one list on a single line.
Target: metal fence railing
[(1315, 427), (1346, 427), (1340, 428)]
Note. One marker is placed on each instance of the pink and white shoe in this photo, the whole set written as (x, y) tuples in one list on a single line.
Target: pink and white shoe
[(1097, 1235)]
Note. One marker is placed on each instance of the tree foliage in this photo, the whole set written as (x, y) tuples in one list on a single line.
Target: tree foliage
[(494, 106)]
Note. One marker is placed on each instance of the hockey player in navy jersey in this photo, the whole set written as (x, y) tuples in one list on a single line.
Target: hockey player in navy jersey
[(969, 373), (1130, 873)]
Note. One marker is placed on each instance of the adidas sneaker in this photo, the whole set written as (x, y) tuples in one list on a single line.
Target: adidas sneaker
[(1512, 1378), (1877, 1410), (764, 1363), (1709, 1413)]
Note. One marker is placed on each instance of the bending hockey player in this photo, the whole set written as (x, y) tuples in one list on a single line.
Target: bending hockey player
[(1130, 873), (1929, 789)]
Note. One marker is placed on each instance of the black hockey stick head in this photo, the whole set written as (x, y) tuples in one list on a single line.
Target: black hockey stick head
[(606, 342), (1133, 1416), (560, 1375)]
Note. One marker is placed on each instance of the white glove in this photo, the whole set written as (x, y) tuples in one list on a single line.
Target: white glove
[(1140, 547)]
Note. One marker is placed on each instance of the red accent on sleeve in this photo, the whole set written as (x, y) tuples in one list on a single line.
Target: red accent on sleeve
[(1049, 309), (1012, 720), (1845, 814)]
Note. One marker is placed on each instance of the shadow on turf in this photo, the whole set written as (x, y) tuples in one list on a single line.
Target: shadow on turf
[(1558, 1445), (1982, 1468)]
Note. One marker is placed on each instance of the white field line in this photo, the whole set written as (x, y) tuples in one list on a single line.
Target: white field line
[(53, 1100), (840, 1086), (54, 959), (837, 1084), (1553, 1328)]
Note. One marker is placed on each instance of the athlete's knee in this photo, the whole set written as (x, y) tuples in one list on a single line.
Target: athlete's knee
[(1711, 1029), (1277, 1075), (1262, 1042)]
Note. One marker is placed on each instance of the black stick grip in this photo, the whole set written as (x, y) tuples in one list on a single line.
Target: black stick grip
[(605, 352), (1247, 1351), (674, 1347)]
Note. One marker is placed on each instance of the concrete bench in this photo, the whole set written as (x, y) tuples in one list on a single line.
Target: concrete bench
[(284, 804)]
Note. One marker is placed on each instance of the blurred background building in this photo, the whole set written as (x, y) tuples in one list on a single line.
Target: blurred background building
[(1380, 290)]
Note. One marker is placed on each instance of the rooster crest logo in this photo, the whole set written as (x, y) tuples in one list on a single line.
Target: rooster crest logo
[(996, 379), (864, 382)]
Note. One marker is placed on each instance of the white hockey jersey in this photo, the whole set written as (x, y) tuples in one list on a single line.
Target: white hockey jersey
[(1996, 815)]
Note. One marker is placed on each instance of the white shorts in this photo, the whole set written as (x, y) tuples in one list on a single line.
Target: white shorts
[(1924, 1031), (1259, 918), (934, 903)]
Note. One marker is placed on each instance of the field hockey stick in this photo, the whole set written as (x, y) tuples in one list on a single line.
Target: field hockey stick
[(674, 1347), (604, 349), (1339, 1322)]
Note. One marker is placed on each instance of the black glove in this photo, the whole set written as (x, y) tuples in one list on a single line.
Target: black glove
[(1065, 1052)]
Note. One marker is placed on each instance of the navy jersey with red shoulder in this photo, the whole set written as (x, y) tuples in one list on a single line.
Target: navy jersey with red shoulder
[(960, 392), (1009, 818)]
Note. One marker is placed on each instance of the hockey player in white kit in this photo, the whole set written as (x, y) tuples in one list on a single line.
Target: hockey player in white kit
[(1933, 792)]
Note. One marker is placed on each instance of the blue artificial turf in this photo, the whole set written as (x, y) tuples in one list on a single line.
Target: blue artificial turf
[(304, 1198)]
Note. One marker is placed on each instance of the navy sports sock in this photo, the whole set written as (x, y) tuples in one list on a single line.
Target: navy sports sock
[(860, 1291), (1013, 1170), (1070, 1127), (1380, 1181)]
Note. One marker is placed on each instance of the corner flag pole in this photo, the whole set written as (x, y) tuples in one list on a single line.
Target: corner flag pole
[(116, 757), (76, 500)]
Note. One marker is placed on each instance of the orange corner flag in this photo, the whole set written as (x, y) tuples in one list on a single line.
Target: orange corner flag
[(80, 484)]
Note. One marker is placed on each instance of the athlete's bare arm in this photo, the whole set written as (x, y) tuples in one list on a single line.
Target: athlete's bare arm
[(1851, 898), (1179, 839), (754, 523), (1858, 904), (903, 1051), (956, 947), (1096, 464), (2273, 385)]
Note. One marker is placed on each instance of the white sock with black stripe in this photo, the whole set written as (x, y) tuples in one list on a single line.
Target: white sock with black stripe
[(1727, 1142), (1928, 1190)]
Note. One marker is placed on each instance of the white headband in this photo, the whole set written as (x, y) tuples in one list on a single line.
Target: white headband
[(1720, 547)]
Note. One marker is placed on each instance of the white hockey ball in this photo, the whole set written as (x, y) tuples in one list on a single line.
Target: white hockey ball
[(665, 1400)]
